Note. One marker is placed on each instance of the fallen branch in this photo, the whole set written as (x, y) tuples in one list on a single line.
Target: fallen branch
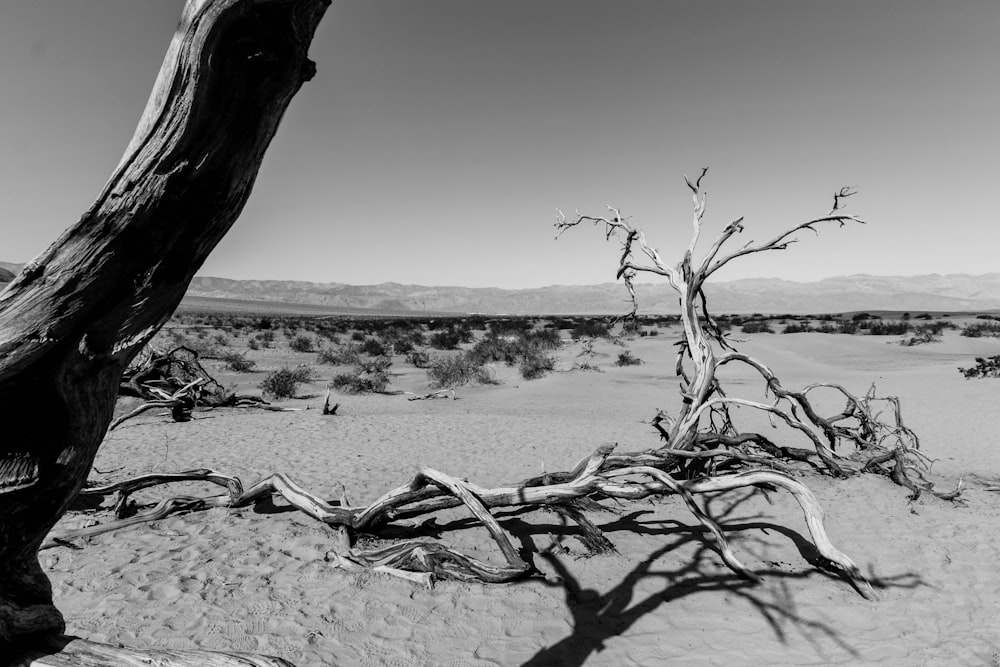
[(66, 651), (432, 490)]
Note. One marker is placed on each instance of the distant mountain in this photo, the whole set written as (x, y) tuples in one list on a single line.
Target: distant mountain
[(932, 292), (8, 271), (765, 295)]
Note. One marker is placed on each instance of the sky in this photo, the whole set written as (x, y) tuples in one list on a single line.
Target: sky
[(439, 137)]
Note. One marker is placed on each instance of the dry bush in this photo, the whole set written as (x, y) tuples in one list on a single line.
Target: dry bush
[(237, 361), (301, 343), (986, 367), (626, 358), (284, 382), (369, 376), (340, 356), (457, 370)]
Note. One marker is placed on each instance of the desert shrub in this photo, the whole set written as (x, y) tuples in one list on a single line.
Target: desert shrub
[(626, 358), (981, 330), (920, 337), (988, 367), (491, 349), (330, 336), (373, 347), (370, 376), (342, 356), (797, 327), (284, 382), (301, 343), (590, 329), (266, 338), (508, 327), (222, 340), (548, 339), (847, 327), (446, 339), (358, 336), (237, 361), (631, 327), (253, 344), (417, 336), (445, 372), (535, 364), (264, 323), (888, 328), (757, 326), (402, 346), (587, 366), (418, 358), (861, 317)]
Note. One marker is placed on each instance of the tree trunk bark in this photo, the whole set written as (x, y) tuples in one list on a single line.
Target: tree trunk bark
[(76, 315)]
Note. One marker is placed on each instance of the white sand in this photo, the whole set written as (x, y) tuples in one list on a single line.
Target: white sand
[(252, 581)]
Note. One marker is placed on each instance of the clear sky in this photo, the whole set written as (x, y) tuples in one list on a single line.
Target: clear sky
[(440, 136)]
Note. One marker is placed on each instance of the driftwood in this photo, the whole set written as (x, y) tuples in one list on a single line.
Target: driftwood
[(65, 651), (75, 317), (177, 380), (599, 475)]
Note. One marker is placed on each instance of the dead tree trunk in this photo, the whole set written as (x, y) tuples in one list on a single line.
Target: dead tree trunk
[(76, 315)]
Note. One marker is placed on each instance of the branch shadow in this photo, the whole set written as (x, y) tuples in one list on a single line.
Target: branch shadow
[(598, 617)]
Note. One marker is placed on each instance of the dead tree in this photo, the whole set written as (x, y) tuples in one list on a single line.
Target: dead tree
[(77, 314), (705, 418)]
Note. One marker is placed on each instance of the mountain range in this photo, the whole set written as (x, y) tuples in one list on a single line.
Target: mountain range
[(933, 292)]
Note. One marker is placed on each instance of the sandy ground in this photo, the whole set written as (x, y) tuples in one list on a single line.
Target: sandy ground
[(256, 579)]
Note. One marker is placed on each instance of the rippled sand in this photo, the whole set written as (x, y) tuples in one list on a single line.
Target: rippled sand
[(256, 579)]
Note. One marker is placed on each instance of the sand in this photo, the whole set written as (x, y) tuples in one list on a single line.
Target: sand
[(256, 579)]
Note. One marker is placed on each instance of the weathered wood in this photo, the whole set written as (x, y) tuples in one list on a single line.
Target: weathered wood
[(431, 491), (76, 315), (65, 651)]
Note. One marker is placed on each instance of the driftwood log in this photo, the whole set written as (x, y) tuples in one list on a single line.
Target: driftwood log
[(76, 315), (626, 476), (176, 380)]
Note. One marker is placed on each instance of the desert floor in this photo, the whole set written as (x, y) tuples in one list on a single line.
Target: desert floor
[(256, 579)]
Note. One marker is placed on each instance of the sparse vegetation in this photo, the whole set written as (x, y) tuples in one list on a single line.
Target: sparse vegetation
[(418, 358), (284, 382), (626, 358), (457, 370), (756, 326), (237, 361), (797, 327), (981, 330), (590, 329), (535, 364), (986, 367), (340, 356), (368, 376), (301, 343)]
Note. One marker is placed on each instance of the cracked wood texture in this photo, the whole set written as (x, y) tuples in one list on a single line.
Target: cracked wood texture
[(76, 315)]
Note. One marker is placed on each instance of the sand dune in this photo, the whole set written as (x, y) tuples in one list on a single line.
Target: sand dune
[(256, 580)]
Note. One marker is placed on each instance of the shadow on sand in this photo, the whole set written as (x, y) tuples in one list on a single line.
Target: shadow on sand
[(598, 616)]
